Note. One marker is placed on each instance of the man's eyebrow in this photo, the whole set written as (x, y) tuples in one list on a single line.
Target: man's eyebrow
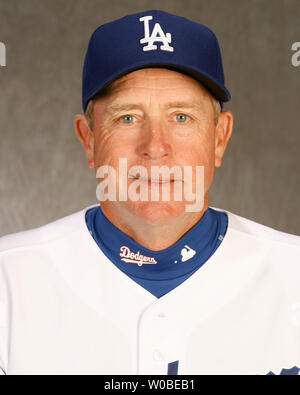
[(184, 104), (117, 107)]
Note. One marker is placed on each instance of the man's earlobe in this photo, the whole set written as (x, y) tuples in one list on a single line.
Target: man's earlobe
[(223, 133), (86, 138)]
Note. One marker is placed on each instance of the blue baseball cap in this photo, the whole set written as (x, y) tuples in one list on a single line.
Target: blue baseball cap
[(153, 39)]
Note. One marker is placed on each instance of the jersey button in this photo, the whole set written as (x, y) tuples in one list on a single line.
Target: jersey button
[(157, 355)]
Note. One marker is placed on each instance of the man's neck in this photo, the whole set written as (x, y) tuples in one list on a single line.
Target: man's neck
[(154, 237)]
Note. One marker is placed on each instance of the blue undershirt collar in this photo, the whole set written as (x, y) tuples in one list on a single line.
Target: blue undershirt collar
[(159, 271)]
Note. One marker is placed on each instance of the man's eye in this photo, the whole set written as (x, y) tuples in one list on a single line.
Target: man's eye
[(127, 118), (181, 118)]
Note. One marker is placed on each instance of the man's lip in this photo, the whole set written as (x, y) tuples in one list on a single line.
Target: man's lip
[(153, 181)]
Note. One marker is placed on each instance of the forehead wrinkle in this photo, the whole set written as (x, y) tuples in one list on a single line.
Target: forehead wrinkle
[(140, 78)]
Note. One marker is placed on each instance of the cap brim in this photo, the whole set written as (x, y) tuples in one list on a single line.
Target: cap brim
[(218, 91)]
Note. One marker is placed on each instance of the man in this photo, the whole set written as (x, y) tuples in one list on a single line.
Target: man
[(145, 284)]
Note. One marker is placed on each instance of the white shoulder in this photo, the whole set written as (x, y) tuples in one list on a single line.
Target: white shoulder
[(260, 231), (37, 236)]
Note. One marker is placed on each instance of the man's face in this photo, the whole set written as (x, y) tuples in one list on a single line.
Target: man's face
[(155, 117)]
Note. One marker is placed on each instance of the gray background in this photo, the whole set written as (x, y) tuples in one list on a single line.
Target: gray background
[(43, 171)]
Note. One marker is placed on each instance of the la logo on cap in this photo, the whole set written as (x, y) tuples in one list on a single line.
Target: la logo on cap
[(157, 35)]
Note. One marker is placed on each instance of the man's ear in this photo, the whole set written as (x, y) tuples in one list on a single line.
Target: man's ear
[(222, 135), (86, 137)]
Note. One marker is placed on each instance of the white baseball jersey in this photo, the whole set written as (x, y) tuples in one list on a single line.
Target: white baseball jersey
[(66, 309)]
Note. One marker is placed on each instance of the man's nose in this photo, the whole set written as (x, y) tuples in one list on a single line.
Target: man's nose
[(154, 142)]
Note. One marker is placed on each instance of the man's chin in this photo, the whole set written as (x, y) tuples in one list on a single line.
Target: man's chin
[(157, 213)]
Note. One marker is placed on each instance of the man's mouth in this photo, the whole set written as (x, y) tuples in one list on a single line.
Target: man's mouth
[(152, 180)]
